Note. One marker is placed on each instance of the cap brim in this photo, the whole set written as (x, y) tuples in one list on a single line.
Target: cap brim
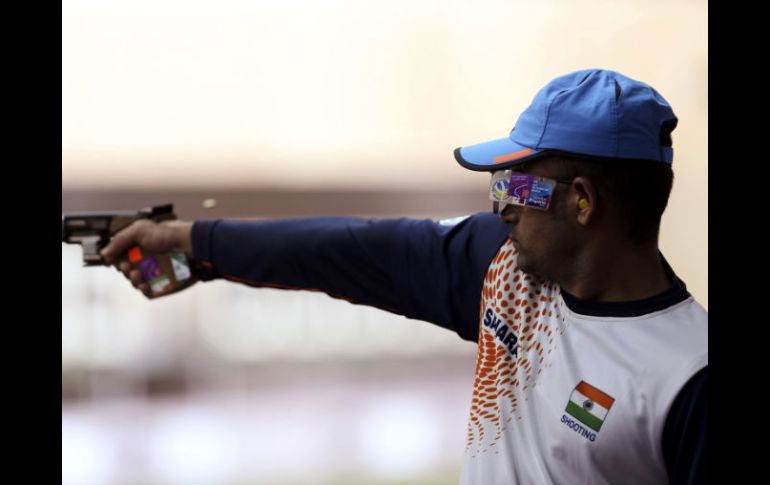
[(494, 155)]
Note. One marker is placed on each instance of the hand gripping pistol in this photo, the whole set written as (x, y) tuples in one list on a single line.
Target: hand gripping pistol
[(165, 273)]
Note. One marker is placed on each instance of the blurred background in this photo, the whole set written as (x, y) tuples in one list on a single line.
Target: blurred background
[(299, 108)]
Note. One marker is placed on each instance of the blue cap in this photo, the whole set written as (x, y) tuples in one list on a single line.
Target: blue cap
[(593, 113)]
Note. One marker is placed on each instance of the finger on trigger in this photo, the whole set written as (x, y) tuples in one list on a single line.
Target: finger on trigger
[(117, 244)]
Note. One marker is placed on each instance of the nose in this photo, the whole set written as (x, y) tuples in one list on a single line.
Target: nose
[(510, 214)]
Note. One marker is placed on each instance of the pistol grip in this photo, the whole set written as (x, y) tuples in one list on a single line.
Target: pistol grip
[(165, 273)]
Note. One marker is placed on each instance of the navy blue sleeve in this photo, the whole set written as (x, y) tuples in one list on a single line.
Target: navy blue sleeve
[(417, 268), (685, 446)]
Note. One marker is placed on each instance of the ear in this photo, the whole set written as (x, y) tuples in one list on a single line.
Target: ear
[(583, 200)]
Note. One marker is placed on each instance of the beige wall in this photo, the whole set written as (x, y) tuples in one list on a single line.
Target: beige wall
[(355, 95)]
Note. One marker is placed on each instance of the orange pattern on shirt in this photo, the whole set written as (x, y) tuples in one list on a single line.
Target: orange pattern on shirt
[(528, 307)]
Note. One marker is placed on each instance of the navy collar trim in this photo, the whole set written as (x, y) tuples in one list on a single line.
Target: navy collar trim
[(676, 294)]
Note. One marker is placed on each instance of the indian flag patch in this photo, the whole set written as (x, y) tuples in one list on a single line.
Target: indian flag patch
[(589, 405)]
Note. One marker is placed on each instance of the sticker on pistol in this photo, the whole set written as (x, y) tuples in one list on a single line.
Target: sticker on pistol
[(181, 268), (150, 268), (160, 284), (135, 254)]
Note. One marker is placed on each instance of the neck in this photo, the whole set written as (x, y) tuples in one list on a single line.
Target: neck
[(613, 273)]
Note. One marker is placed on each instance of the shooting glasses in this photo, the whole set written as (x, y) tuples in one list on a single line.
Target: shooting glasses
[(522, 189)]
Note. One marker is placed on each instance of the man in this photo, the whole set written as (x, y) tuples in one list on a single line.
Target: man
[(592, 362)]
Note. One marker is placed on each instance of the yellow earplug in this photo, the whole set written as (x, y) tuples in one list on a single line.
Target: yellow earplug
[(583, 203)]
